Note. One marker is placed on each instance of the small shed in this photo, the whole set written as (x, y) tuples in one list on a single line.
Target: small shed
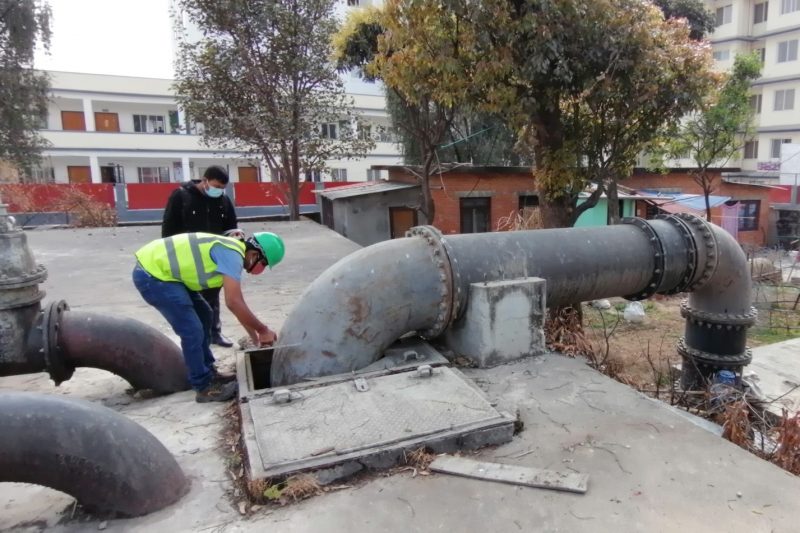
[(372, 211)]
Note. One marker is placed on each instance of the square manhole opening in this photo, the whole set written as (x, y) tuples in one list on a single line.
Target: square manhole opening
[(254, 365)]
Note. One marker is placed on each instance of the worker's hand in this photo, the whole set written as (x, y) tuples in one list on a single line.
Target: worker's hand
[(235, 234), (265, 338)]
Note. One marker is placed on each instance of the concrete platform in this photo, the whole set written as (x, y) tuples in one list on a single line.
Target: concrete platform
[(650, 469), (778, 369), (335, 424)]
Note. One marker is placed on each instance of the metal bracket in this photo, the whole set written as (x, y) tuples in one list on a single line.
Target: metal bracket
[(412, 355), (282, 396), (424, 371), (361, 384)]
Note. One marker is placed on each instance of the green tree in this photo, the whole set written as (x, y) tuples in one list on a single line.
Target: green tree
[(566, 74), (433, 134), (23, 91), (718, 130), (261, 81), (701, 20)]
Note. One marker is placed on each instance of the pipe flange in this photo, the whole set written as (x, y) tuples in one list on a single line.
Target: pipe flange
[(458, 296), (712, 359), (691, 252), (710, 246), (659, 261), (744, 319), (58, 369), (441, 258), (37, 275)]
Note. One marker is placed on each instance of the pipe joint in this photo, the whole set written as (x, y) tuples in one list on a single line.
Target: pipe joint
[(746, 319), (690, 253), (659, 262), (441, 258), (707, 249), (714, 360), (50, 324)]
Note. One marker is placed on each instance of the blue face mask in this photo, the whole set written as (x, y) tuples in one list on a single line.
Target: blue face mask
[(213, 192)]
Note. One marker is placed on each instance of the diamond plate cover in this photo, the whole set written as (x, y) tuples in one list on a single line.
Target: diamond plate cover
[(337, 420)]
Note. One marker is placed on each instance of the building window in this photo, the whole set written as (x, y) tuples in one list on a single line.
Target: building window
[(748, 214), (313, 175), (148, 124), (787, 51), (751, 150), (153, 174), (775, 147), (784, 100), (755, 103), (760, 12), (789, 6), (724, 15), (528, 200), (722, 55), (475, 215), (39, 175), (328, 131), (762, 54), (339, 174), (364, 131), (373, 174)]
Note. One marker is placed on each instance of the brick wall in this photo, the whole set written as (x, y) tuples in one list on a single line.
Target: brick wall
[(503, 188), (736, 191)]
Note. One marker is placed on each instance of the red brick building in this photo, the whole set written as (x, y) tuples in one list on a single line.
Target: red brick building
[(500, 191), (753, 200), (496, 192)]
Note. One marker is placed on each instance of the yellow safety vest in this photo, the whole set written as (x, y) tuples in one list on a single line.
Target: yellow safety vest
[(186, 258)]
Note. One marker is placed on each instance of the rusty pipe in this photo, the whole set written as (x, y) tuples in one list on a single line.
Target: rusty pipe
[(636, 260), (107, 462), (63, 340)]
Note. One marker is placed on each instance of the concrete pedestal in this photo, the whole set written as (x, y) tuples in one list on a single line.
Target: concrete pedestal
[(503, 322)]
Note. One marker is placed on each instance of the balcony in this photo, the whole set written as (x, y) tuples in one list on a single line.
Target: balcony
[(94, 140)]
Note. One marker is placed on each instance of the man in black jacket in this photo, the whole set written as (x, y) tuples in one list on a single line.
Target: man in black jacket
[(203, 207)]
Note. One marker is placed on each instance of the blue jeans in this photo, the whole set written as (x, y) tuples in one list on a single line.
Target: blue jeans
[(190, 317)]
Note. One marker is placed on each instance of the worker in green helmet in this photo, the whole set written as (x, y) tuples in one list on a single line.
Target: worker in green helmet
[(171, 272)]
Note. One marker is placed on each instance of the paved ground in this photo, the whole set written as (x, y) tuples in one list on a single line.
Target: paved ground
[(650, 468), (777, 374)]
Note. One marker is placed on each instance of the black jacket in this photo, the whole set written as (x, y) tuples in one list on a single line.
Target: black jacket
[(189, 210)]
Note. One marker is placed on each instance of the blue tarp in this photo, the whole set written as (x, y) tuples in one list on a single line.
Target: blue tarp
[(692, 201)]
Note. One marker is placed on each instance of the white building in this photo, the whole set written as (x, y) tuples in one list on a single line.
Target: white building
[(773, 29), (114, 128)]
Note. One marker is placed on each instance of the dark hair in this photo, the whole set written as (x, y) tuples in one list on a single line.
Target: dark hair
[(216, 173)]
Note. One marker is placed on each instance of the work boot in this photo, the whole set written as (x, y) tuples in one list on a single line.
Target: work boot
[(220, 377), (221, 340), (217, 392)]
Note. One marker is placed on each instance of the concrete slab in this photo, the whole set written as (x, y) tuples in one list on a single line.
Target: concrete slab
[(778, 369), (650, 469), (326, 425)]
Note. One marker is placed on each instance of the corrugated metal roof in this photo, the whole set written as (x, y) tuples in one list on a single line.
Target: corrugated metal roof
[(361, 189)]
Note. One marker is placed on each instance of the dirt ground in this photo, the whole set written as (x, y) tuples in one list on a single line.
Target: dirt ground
[(641, 355)]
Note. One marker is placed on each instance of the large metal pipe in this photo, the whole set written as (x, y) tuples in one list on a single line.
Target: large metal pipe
[(107, 462), (58, 340), (397, 291)]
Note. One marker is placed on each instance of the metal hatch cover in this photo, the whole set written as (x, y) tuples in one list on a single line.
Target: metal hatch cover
[(327, 425)]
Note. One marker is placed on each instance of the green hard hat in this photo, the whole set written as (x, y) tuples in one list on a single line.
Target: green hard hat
[(271, 246)]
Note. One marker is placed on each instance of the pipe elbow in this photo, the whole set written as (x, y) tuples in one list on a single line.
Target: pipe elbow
[(354, 310), (140, 354), (104, 460)]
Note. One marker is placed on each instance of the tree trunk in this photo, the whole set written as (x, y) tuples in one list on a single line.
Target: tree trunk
[(556, 213), (294, 184), (707, 193), (612, 198)]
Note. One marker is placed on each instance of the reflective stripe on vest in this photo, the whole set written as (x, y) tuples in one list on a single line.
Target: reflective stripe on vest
[(195, 269)]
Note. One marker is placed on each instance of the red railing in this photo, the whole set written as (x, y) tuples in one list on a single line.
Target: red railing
[(30, 198), (149, 195), (270, 194)]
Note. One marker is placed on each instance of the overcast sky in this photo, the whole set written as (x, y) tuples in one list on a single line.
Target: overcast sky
[(124, 37)]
